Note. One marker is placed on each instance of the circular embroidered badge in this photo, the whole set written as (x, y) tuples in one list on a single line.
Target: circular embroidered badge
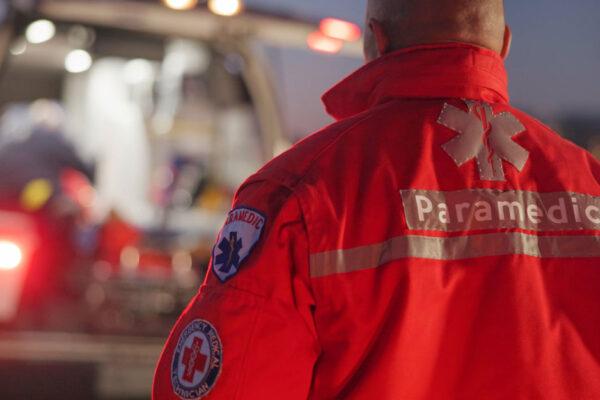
[(197, 360)]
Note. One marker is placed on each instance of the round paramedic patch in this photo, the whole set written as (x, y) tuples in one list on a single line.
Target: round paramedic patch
[(238, 237), (197, 360)]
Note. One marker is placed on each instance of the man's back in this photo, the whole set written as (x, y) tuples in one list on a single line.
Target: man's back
[(438, 281), (434, 244)]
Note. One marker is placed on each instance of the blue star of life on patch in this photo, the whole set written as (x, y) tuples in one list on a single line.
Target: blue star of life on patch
[(230, 256), (239, 235)]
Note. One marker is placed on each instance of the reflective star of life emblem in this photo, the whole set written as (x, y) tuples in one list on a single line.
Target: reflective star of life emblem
[(485, 137)]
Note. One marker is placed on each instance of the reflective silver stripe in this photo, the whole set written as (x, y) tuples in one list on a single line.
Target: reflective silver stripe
[(452, 248)]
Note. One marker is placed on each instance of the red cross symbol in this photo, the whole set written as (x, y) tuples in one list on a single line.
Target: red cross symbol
[(193, 360)]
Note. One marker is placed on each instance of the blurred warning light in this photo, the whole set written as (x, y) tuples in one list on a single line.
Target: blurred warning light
[(11, 255), (319, 42), (340, 29), (180, 4)]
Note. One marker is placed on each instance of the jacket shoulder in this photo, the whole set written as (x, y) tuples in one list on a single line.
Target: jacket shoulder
[(563, 155), (290, 167)]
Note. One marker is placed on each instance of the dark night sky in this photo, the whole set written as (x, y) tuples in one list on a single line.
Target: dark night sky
[(553, 67)]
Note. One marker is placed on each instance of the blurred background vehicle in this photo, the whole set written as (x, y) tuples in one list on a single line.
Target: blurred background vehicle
[(125, 129)]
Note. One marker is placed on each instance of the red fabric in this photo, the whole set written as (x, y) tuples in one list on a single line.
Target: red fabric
[(496, 327)]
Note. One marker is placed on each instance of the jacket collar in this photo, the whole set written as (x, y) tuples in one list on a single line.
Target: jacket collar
[(431, 71)]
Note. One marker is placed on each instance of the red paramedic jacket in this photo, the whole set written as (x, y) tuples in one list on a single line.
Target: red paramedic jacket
[(434, 243)]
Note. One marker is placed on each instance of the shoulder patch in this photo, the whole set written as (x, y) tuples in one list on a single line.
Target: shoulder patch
[(196, 361), (238, 237)]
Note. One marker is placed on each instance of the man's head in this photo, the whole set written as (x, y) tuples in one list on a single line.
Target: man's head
[(395, 24)]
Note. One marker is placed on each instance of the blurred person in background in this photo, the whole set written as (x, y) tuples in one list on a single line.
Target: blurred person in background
[(40, 177), (32, 146), (434, 243)]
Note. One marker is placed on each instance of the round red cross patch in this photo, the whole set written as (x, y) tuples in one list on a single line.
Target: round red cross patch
[(197, 360)]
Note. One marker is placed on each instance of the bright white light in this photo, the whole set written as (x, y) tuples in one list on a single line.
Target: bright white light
[(10, 255), (138, 71), (180, 4), (40, 31), (78, 61), (225, 7)]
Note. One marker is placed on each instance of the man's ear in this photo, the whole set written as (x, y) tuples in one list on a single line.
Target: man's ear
[(507, 42), (382, 39)]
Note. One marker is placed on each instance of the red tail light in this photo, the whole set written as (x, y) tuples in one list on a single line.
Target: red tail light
[(11, 255), (319, 42), (340, 29)]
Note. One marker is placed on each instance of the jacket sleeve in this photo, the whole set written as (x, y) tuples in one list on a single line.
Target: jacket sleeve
[(253, 336)]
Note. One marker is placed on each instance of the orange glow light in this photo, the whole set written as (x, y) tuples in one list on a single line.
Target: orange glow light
[(339, 29), (319, 42), (226, 8), (180, 4)]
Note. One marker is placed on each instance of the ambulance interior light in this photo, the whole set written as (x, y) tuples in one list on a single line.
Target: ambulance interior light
[(40, 31), (227, 8), (78, 61), (180, 4)]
